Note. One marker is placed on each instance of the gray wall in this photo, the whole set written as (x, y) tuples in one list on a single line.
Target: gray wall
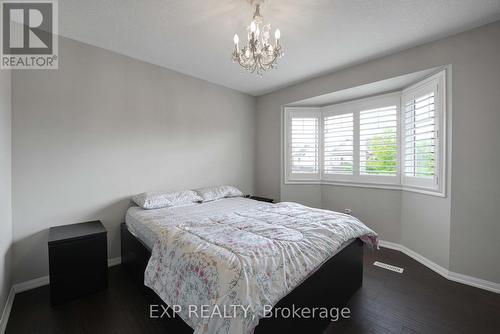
[(104, 127), (378, 208), (472, 203), (5, 186), (425, 226)]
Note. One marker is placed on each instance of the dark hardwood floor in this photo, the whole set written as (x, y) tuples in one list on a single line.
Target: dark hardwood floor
[(417, 301)]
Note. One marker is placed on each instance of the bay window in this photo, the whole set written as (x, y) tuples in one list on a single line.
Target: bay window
[(394, 140)]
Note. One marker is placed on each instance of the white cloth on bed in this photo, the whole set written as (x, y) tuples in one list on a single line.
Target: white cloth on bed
[(250, 257), (217, 192), (163, 199), (147, 224)]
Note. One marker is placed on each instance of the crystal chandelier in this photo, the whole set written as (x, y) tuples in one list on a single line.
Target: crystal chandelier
[(259, 54)]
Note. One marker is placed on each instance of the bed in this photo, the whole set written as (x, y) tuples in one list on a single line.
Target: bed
[(236, 251)]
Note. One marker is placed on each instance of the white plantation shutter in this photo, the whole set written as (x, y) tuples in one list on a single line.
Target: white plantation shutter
[(395, 140), (303, 145), (420, 137), (421, 146), (378, 153), (338, 156)]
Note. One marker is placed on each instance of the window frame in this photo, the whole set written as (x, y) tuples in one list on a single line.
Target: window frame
[(331, 111), (356, 107), (397, 182), (290, 112), (436, 84)]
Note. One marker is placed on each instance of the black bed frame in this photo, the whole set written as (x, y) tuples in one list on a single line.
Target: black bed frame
[(332, 285)]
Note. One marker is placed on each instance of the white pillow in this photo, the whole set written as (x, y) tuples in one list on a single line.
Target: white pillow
[(213, 193), (161, 199)]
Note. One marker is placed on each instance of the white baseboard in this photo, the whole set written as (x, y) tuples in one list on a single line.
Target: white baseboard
[(475, 282), (33, 284), (44, 280), (114, 261), (6, 310), (450, 275)]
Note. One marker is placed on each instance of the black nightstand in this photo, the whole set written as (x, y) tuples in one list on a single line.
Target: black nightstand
[(78, 260), (262, 199)]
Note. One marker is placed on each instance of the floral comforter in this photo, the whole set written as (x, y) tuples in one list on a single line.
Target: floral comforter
[(250, 258)]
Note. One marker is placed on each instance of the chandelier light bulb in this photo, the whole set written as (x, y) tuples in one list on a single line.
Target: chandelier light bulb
[(277, 34), (253, 26), (236, 39)]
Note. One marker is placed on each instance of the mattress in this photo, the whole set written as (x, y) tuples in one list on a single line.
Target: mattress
[(146, 225), (238, 252)]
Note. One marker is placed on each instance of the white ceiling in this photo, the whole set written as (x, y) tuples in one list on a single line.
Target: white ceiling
[(367, 90), (318, 36)]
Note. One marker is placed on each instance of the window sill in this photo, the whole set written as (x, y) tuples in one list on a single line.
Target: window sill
[(369, 185)]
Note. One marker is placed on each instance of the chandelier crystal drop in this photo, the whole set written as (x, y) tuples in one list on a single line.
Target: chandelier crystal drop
[(259, 53)]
